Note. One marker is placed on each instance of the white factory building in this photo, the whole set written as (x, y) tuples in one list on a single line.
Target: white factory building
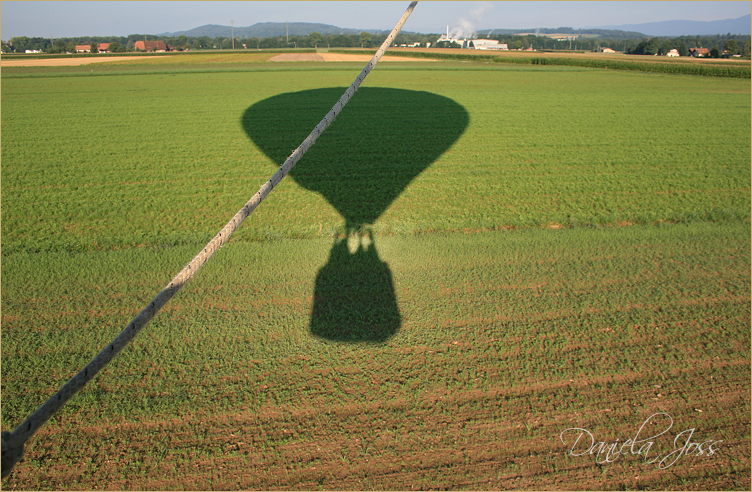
[(478, 44), (486, 44)]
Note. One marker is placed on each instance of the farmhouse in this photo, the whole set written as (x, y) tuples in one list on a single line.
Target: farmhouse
[(151, 46), (699, 52), (607, 50), (103, 47), (673, 52), (83, 48)]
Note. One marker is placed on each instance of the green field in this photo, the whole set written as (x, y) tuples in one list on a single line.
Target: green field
[(472, 259)]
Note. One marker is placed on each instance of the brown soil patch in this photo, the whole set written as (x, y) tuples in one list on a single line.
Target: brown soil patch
[(296, 57), (336, 57), (284, 57), (494, 439), (67, 62), (367, 58)]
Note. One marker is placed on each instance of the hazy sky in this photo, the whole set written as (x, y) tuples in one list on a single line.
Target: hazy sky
[(69, 19)]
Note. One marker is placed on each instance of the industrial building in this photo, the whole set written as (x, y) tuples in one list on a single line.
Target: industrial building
[(478, 44)]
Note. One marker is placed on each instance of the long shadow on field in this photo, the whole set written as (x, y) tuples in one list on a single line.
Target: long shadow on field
[(379, 143)]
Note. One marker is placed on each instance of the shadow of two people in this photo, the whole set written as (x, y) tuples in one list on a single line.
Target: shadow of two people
[(377, 145)]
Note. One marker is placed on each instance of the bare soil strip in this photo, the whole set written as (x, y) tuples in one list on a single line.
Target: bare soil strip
[(296, 57), (63, 62), (366, 58), (284, 57), (337, 57)]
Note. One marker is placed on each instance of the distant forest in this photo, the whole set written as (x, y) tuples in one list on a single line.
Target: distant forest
[(639, 44)]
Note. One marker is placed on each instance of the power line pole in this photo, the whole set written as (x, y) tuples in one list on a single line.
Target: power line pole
[(232, 31)]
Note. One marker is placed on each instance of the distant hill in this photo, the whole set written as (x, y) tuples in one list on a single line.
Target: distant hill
[(742, 25), (274, 29), (268, 30)]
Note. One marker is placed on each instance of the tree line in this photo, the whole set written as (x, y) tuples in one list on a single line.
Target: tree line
[(717, 45), (733, 44), (641, 45)]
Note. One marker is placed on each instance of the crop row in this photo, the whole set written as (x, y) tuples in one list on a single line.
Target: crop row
[(505, 337), (668, 67), (509, 297)]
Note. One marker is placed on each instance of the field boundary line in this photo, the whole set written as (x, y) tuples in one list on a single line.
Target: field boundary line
[(13, 442)]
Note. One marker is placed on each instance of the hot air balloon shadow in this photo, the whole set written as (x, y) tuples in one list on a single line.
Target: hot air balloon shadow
[(377, 145)]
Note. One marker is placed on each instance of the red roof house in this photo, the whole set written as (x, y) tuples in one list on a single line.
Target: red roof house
[(151, 46)]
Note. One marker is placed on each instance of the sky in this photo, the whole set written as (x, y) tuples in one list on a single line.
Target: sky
[(120, 18)]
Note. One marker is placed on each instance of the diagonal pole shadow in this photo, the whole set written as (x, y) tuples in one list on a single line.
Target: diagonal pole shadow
[(360, 165)]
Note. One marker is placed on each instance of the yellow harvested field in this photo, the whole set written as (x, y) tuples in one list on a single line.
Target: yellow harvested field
[(63, 62), (336, 57), (284, 57), (365, 58), (296, 57)]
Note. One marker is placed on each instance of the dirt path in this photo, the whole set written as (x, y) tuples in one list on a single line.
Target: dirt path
[(62, 62)]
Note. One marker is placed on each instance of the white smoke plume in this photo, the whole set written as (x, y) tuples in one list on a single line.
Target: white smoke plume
[(465, 28)]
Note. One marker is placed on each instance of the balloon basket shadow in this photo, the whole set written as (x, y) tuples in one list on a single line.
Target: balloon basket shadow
[(354, 299)]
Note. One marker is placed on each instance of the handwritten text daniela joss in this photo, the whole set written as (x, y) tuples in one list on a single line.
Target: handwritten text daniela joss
[(644, 443)]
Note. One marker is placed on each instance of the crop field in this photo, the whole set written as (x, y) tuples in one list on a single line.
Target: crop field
[(646, 63), (474, 266)]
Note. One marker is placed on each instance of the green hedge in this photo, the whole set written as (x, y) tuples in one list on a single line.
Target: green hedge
[(656, 67), (706, 70)]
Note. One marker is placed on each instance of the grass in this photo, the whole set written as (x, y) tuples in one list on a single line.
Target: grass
[(558, 246), (493, 297), (571, 148)]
